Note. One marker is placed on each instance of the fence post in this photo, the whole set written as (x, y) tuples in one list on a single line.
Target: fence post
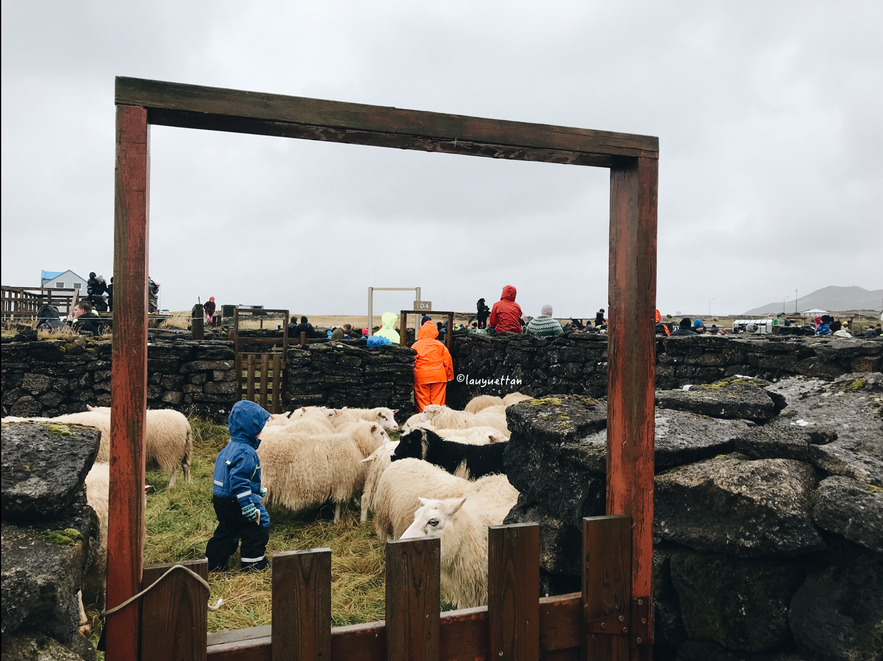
[(197, 322), (413, 598), (301, 626), (174, 614), (514, 592)]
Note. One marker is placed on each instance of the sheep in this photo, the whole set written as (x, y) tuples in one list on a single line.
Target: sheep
[(376, 462), (97, 493), (462, 524), (476, 404), (15, 418), (461, 459), (381, 415), (442, 416), (301, 471), (514, 398), (400, 486), (472, 435), (168, 442)]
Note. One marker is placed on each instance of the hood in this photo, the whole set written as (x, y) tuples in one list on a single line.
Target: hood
[(428, 331), (389, 319), (246, 421), (508, 293)]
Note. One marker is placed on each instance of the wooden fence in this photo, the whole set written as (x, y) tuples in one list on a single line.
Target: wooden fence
[(601, 622), (25, 302)]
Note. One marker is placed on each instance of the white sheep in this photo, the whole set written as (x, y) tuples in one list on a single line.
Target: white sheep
[(476, 404), (472, 435), (462, 525), (399, 489), (302, 471), (514, 398), (15, 418), (385, 417), (97, 493), (377, 462), (447, 418), (168, 442)]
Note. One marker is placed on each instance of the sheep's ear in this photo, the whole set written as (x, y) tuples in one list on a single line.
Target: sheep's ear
[(395, 410), (455, 506), (373, 428), (88, 408), (423, 501)]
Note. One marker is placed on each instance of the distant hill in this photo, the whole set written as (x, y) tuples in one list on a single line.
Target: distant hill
[(836, 299)]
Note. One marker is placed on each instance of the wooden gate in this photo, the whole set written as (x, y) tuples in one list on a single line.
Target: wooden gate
[(261, 375)]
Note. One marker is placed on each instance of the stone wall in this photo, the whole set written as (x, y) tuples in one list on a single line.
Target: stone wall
[(52, 377), (768, 499), (576, 363)]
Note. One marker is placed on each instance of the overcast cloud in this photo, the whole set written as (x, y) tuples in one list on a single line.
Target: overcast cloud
[(768, 116)]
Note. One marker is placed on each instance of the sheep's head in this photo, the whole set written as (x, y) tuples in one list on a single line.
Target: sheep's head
[(386, 417), (433, 517), (411, 445)]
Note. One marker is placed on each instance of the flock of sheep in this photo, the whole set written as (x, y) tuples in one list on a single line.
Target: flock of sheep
[(443, 478)]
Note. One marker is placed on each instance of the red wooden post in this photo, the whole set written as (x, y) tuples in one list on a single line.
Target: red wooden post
[(126, 504), (631, 361)]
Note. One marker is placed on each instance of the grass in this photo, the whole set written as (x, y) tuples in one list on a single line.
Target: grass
[(181, 520)]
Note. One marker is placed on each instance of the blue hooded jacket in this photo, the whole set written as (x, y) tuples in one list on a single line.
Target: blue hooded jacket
[(237, 468)]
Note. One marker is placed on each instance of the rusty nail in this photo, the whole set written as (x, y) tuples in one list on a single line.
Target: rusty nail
[(621, 618)]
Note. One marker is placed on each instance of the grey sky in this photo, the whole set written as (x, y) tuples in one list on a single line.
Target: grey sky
[(768, 116)]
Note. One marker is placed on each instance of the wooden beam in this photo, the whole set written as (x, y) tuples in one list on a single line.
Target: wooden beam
[(174, 613), (126, 503), (301, 628), (631, 370), (212, 108), (412, 599)]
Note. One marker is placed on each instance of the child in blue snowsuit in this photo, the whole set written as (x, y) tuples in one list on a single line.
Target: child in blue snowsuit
[(237, 494)]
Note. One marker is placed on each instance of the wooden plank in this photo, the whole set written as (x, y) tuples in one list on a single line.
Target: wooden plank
[(249, 391), (606, 584), (301, 626), (196, 106), (276, 401), (463, 636), (126, 499), (514, 592), (631, 368), (237, 366), (262, 393), (413, 594), (174, 614)]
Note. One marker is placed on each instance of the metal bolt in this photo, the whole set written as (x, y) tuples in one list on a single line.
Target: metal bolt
[(638, 640), (643, 620), (625, 629), (621, 618), (500, 653), (593, 636), (603, 625), (640, 602)]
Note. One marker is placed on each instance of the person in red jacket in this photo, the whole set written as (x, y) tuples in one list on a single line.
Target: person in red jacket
[(506, 313), (433, 367)]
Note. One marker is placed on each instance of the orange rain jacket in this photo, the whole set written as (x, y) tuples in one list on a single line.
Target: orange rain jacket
[(506, 313), (433, 364)]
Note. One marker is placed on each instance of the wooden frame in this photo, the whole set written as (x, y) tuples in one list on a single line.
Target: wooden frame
[(403, 320), (632, 160)]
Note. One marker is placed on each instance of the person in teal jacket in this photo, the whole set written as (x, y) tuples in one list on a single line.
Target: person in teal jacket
[(237, 494)]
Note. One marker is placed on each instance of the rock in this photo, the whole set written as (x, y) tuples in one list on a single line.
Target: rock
[(682, 437), (740, 604), (732, 398), (548, 460), (780, 440), (20, 593), (43, 465), (668, 626), (557, 538), (838, 612), (695, 650), (731, 504), (851, 509), (851, 407), (42, 648), (52, 555)]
